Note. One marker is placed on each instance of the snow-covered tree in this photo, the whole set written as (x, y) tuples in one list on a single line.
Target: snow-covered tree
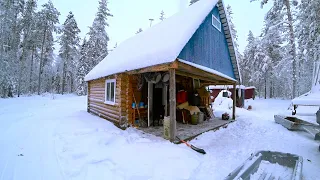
[(232, 26), (162, 16), (28, 28), (308, 33), (283, 8), (46, 26), (82, 69), (193, 1), (247, 63), (69, 53), (98, 37), (10, 32)]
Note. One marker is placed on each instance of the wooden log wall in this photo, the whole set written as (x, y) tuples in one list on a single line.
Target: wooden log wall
[(96, 99)]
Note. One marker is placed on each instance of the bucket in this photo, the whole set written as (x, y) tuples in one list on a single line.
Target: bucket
[(201, 117), (194, 119), (166, 127)]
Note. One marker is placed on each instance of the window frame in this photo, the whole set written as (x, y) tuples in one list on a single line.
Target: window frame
[(216, 18), (110, 81)]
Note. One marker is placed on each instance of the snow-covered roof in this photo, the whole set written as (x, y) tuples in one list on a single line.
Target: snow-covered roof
[(310, 98), (159, 44)]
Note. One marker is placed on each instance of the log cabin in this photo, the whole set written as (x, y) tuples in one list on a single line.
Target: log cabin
[(190, 50)]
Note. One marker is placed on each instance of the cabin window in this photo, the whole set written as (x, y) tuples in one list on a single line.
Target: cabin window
[(216, 22), (110, 91)]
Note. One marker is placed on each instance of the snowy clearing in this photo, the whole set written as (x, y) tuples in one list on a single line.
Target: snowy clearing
[(45, 138)]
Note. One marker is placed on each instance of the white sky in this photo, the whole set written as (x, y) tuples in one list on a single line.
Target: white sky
[(130, 15)]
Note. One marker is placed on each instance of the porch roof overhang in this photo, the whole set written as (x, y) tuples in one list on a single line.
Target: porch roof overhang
[(189, 69)]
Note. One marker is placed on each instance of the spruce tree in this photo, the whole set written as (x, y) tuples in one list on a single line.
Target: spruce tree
[(82, 69), (162, 16), (283, 8), (47, 18), (193, 1), (69, 42), (98, 37)]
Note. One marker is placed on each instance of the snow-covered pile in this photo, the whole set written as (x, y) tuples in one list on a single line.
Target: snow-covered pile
[(222, 104)]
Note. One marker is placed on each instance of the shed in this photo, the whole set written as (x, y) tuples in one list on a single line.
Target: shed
[(187, 51)]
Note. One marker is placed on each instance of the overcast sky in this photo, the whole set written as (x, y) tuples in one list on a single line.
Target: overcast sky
[(130, 15)]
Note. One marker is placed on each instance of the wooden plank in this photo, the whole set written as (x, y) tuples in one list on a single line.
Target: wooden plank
[(156, 68), (234, 102), (228, 36), (209, 80), (150, 102), (224, 22), (198, 72), (172, 94)]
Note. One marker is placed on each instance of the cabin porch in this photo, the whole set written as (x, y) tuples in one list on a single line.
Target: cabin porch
[(148, 99), (187, 131)]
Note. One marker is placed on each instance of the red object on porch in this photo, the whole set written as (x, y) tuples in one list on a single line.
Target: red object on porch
[(182, 96)]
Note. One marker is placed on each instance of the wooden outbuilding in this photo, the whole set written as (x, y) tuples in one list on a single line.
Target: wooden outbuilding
[(185, 52)]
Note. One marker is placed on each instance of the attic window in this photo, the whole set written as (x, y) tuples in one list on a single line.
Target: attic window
[(216, 22)]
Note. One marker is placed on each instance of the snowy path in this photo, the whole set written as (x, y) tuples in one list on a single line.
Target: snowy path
[(27, 135), (60, 140)]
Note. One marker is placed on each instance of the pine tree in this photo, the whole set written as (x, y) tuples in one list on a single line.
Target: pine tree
[(308, 33), (98, 37), (162, 15), (10, 32), (47, 20), (82, 69), (28, 27), (193, 1), (69, 42), (283, 8), (247, 63)]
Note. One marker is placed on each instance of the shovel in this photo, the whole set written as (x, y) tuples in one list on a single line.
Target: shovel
[(192, 147)]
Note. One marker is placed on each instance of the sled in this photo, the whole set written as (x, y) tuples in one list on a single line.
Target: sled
[(293, 123), (267, 165)]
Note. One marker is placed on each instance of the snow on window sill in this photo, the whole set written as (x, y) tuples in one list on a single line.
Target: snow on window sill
[(110, 103)]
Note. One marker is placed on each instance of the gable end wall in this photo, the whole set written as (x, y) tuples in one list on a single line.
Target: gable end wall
[(209, 47)]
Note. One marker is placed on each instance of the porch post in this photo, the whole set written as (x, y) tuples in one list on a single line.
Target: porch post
[(234, 101), (172, 96)]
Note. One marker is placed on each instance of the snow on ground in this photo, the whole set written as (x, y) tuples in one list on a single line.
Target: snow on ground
[(45, 138)]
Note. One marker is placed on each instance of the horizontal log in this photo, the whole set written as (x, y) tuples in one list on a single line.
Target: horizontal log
[(105, 116), (91, 99), (102, 88), (95, 101), (96, 96), (105, 109)]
